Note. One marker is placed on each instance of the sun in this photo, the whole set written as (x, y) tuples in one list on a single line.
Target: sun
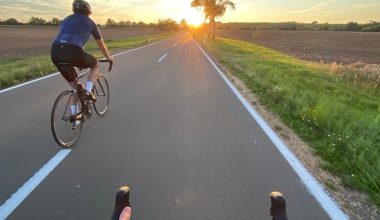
[(194, 18), (191, 15)]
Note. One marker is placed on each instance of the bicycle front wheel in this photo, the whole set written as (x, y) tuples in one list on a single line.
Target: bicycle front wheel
[(102, 94), (61, 126)]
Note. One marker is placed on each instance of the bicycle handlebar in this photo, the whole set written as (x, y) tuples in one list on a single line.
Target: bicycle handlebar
[(121, 201), (278, 206), (277, 209), (107, 61)]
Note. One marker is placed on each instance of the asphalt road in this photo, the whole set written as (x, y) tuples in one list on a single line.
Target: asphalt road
[(175, 133)]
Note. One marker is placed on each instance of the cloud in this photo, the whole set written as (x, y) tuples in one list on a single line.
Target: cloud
[(366, 5), (258, 2), (318, 7)]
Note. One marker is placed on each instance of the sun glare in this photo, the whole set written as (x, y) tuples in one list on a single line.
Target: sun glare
[(194, 17), (191, 15)]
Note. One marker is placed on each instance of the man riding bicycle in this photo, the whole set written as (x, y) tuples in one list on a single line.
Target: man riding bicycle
[(67, 48)]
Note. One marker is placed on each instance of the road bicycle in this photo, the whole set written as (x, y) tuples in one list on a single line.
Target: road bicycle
[(63, 120)]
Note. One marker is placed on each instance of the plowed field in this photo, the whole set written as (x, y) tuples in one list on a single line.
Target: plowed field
[(18, 41), (325, 46)]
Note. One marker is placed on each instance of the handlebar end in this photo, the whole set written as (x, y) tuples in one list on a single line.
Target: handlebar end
[(107, 61), (278, 206), (121, 201)]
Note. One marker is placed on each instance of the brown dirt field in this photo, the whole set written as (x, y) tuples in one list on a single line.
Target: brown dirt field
[(320, 46), (19, 41)]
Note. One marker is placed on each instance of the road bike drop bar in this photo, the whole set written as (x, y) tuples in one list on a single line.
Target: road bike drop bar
[(107, 61), (277, 209)]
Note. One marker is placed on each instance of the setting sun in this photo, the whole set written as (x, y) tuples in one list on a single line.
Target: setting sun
[(193, 17)]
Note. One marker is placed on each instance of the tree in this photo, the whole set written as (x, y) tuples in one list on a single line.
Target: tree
[(122, 23), (325, 26), (213, 9), (37, 21), (11, 21), (128, 23), (55, 21), (141, 24), (167, 25), (184, 24), (352, 26), (110, 23)]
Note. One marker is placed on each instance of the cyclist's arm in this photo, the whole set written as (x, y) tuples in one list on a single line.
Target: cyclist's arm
[(103, 48)]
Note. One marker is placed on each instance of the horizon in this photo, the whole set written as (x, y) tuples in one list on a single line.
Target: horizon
[(247, 11)]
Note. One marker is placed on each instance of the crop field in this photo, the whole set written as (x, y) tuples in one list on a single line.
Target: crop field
[(19, 41), (324, 46)]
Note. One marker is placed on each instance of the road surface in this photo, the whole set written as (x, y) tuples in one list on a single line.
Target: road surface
[(175, 133)]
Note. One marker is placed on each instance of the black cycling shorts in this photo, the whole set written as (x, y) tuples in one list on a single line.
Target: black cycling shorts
[(73, 56)]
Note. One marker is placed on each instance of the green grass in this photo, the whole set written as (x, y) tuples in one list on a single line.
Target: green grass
[(338, 118), (18, 70)]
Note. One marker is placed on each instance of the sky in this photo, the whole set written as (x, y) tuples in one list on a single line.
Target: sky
[(332, 11)]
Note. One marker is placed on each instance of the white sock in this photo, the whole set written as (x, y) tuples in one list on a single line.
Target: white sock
[(73, 109), (89, 86)]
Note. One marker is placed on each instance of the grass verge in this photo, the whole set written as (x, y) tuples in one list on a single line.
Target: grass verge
[(18, 70), (339, 118)]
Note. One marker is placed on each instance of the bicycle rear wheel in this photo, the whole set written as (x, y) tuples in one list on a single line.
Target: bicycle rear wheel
[(102, 94), (61, 126)]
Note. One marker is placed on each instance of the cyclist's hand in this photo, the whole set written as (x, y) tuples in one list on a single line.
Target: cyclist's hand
[(125, 214), (110, 58)]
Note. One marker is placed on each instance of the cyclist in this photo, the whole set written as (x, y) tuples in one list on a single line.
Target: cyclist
[(67, 47)]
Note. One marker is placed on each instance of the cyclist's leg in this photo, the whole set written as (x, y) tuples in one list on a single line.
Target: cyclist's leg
[(73, 101), (94, 72), (86, 60), (63, 54)]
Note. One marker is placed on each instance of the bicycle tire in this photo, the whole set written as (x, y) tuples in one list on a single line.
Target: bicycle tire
[(60, 115), (102, 94)]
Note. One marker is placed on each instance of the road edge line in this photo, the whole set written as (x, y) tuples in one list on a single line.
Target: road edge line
[(312, 185), (57, 73), (20, 195)]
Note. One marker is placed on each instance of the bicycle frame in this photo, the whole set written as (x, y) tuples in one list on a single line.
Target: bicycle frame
[(86, 107), (62, 112)]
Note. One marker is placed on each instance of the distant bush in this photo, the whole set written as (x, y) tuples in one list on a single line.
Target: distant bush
[(375, 28), (55, 21), (292, 25), (129, 24), (111, 23), (167, 25), (37, 21), (352, 26), (10, 21)]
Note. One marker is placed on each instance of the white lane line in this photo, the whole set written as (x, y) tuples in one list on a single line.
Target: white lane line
[(11, 204), (312, 185), (162, 58), (26, 83), (57, 73)]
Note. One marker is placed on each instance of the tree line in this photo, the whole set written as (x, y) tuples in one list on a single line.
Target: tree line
[(162, 24), (371, 26), (32, 21)]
